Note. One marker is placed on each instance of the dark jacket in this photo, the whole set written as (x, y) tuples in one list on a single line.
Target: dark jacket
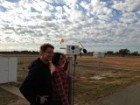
[(37, 82)]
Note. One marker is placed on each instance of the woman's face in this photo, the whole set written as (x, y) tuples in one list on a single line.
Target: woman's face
[(62, 60)]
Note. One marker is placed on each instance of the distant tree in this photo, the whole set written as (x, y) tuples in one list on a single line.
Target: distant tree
[(116, 53), (109, 53), (135, 53), (124, 52), (88, 53), (19, 52)]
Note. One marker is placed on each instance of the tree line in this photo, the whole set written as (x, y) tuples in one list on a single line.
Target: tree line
[(121, 52), (19, 52)]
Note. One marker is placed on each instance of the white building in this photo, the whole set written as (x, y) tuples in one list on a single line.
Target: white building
[(99, 54), (8, 69)]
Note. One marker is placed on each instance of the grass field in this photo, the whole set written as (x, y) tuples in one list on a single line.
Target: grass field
[(118, 73), (6, 97)]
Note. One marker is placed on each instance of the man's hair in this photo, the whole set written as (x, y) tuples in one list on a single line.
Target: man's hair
[(44, 47), (56, 58)]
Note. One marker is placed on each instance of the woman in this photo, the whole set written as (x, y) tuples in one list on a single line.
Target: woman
[(59, 80)]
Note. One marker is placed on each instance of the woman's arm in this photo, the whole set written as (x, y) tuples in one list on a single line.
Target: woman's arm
[(66, 64)]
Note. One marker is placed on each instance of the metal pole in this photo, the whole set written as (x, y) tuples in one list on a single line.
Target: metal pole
[(81, 45), (70, 74), (74, 73), (8, 68)]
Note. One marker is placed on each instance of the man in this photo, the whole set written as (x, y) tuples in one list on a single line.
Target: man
[(36, 87)]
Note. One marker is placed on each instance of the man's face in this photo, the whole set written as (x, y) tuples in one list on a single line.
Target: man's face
[(48, 54)]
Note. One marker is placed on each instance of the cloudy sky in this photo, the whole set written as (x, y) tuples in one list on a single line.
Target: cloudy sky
[(100, 25)]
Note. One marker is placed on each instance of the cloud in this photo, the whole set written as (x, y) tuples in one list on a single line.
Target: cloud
[(129, 18), (93, 22), (127, 5)]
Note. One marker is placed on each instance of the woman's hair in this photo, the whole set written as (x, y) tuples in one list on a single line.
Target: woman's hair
[(56, 58)]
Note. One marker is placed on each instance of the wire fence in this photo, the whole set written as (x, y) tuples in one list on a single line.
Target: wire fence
[(94, 78)]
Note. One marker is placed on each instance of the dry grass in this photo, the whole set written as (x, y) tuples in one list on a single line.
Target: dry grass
[(6, 97), (120, 72), (23, 63)]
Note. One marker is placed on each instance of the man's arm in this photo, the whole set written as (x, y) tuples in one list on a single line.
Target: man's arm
[(27, 87)]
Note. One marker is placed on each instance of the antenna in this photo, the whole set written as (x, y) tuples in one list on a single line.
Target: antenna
[(84, 50)]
